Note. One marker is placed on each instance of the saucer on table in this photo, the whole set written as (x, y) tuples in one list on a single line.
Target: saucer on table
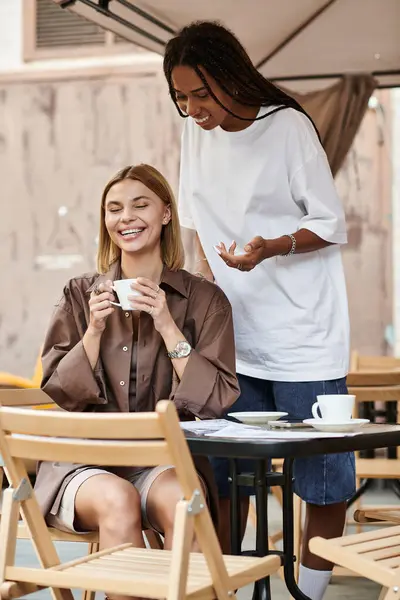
[(340, 427), (257, 417)]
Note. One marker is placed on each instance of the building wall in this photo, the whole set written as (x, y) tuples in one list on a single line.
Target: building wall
[(364, 184), (59, 144), (60, 141), (10, 34), (396, 214)]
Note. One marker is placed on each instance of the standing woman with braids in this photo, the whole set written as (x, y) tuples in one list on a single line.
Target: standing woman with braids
[(253, 171)]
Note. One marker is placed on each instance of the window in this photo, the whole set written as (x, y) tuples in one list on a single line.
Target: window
[(53, 32)]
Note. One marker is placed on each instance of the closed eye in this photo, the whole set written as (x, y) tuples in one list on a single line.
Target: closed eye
[(180, 98)]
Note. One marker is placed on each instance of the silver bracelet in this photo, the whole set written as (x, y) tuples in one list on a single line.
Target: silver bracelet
[(293, 248)]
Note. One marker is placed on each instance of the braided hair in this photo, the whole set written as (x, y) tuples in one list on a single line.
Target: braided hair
[(210, 45)]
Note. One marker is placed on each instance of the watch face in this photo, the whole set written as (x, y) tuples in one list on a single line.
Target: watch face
[(183, 349)]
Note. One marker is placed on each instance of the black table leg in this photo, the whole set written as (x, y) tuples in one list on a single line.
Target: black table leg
[(236, 536), (262, 588), (288, 526), (395, 485), (360, 491)]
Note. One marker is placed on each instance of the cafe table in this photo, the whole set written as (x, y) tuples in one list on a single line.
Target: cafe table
[(261, 450)]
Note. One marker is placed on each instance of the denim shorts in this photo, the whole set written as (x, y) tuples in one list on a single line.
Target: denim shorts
[(322, 479)]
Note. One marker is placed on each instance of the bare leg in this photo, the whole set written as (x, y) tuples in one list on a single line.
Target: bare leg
[(110, 505), (225, 521), (325, 521), (164, 494)]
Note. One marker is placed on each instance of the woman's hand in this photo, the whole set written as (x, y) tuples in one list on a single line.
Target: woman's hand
[(255, 253), (100, 307), (257, 250), (154, 302)]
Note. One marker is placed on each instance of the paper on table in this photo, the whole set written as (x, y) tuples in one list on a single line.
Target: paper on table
[(238, 431), (205, 426)]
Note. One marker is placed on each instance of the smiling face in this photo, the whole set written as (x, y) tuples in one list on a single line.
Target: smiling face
[(134, 216), (194, 99)]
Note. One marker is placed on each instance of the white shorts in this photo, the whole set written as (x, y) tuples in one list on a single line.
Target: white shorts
[(64, 519)]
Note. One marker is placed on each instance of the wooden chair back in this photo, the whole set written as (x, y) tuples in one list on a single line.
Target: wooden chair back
[(359, 362), (35, 399), (27, 398)]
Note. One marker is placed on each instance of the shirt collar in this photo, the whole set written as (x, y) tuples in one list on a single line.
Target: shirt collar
[(175, 280)]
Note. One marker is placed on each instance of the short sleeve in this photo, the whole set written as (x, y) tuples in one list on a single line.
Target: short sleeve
[(185, 192), (311, 182), (313, 189)]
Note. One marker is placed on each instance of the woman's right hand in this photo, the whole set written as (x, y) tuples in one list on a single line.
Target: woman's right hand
[(100, 307)]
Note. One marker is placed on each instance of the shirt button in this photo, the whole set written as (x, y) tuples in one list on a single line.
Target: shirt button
[(127, 314), (122, 383), (125, 348)]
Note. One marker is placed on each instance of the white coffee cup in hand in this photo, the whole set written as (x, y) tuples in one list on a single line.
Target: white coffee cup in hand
[(123, 289), (335, 408)]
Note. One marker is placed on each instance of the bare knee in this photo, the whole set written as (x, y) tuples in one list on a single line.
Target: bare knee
[(108, 502), (119, 506)]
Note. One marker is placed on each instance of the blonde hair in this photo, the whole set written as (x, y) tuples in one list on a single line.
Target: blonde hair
[(172, 253)]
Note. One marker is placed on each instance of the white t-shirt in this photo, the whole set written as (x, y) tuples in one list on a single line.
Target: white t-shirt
[(270, 179)]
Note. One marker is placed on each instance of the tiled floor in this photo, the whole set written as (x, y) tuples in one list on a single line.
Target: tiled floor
[(343, 587)]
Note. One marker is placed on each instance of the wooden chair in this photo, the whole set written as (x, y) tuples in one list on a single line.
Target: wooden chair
[(142, 439), (373, 554), (378, 515), (375, 379), (359, 362), (36, 399)]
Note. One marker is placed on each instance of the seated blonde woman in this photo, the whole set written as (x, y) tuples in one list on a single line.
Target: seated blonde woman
[(176, 342)]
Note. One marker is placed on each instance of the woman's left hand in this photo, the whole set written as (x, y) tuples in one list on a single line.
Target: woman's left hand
[(152, 301), (256, 252)]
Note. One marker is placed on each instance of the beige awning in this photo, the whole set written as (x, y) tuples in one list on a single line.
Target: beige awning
[(306, 42)]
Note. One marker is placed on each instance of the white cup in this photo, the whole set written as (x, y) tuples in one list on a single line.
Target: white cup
[(335, 408), (122, 287)]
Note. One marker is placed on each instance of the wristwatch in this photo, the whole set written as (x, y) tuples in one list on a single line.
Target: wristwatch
[(181, 350)]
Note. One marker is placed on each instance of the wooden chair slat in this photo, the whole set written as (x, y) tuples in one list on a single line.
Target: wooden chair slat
[(376, 544), (107, 453), (25, 397), (346, 557), (378, 468), (372, 363), (392, 563), (121, 583), (82, 425), (350, 540), (60, 536), (385, 552), (371, 515), (374, 378)]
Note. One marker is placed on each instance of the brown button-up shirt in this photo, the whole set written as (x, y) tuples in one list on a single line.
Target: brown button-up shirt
[(208, 386)]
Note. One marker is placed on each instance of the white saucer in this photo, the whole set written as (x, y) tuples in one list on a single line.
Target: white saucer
[(257, 417), (329, 426)]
